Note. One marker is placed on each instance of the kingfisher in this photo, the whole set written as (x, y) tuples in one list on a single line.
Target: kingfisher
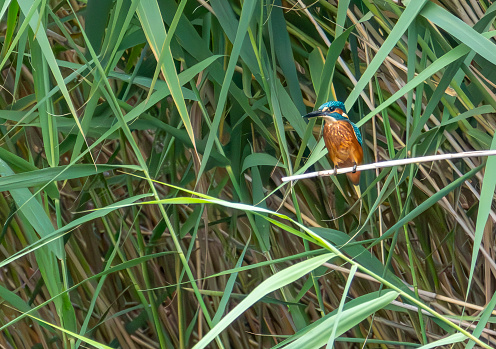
[(342, 137)]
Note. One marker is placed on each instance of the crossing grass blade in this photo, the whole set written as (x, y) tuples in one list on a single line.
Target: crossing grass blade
[(142, 145)]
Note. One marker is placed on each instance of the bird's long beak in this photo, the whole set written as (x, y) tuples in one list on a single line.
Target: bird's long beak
[(314, 114)]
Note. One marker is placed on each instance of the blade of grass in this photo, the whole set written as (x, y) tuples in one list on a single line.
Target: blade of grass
[(153, 26), (412, 10), (271, 284)]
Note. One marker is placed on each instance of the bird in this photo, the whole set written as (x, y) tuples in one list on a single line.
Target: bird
[(342, 138)]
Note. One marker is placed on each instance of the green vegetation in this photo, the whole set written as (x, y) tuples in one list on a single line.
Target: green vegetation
[(142, 204)]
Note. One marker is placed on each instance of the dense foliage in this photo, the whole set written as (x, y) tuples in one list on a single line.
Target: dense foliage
[(143, 145)]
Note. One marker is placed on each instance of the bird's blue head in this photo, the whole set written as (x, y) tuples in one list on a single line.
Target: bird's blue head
[(332, 106), (337, 110)]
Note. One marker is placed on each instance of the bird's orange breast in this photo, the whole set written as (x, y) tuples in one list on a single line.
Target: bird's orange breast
[(343, 147)]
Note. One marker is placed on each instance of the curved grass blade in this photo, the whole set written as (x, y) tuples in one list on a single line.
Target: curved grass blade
[(244, 22), (153, 25), (411, 11), (355, 311), (485, 202), (272, 284), (436, 66), (47, 175), (460, 30), (426, 204)]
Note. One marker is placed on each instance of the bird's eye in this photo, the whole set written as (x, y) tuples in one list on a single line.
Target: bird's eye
[(332, 108)]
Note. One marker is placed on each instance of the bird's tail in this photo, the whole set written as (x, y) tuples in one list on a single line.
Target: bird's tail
[(359, 193), (354, 178), (357, 190)]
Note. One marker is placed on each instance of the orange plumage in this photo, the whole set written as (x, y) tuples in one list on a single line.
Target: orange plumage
[(343, 147)]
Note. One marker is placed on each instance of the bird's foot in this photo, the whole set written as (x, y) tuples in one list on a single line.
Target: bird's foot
[(354, 168), (335, 170)]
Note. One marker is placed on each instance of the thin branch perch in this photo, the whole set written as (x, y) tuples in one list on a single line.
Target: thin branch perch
[(391, 163)]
